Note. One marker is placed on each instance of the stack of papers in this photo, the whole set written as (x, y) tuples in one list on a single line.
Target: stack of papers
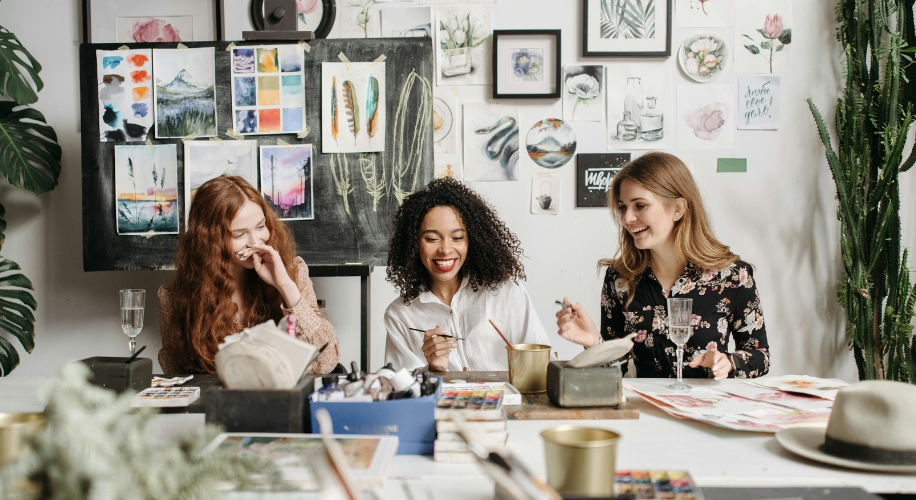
[(755, 405)]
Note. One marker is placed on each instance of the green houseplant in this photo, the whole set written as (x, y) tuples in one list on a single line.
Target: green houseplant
[(873, 116), (30, 159)]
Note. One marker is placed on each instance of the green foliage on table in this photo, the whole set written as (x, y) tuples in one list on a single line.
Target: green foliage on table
[(30, 159), (873, 116), (97, 447)]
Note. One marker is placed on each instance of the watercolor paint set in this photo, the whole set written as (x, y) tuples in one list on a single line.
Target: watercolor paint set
[(657, 485), (474, 405)]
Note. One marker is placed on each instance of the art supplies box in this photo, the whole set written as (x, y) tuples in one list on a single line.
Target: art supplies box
[(412, 420), (165, 397)]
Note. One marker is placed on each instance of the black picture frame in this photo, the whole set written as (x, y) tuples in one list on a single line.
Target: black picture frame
[(87, 19), (593, 169), (596, 10), (554, 38)]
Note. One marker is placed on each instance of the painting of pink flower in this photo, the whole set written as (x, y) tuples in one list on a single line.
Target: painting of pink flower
[(707, 121), (154, 30), (304, 7), (772, 27)]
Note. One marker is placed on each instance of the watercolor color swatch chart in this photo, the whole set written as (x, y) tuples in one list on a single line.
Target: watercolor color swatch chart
[(267, 89)]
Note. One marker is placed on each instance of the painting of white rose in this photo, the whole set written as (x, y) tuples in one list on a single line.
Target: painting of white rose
[(583, 93)]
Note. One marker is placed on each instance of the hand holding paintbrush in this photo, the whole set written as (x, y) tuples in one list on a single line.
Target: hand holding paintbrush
[(574, 324), (437, 345)]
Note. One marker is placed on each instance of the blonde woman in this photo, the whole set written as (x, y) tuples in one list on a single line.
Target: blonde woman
[(667, 249)]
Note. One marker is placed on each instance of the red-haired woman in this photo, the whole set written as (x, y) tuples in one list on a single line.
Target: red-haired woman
[(236, 267)]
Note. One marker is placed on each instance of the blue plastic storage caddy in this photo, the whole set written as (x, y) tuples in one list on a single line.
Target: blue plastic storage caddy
[(412, 420)]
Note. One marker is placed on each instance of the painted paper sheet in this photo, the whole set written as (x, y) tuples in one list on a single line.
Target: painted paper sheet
[(154, 29), (406, 21), (545, 194), (184, 92), (583, 93), (490, 142), (358, 19), (146, 189), (705, 117), (268, 83), (286, 180), (758, 102), (451, 168), (594, 173), (551, 143), (309, 14), (639, 106), (205, 160), (441, 2), (353, 107), (463, 45), (445, 122), (704, 13), (803, 384), (763, 36), (125, 94)]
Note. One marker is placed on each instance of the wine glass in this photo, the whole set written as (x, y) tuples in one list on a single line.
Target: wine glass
[(133, 302), (679, 314)]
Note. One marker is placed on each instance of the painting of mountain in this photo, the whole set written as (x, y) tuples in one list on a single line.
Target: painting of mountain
[(184, 92), (146, 189), (551, 143)]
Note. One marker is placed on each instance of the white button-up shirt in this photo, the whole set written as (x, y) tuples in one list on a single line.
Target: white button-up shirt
[(509, 307)]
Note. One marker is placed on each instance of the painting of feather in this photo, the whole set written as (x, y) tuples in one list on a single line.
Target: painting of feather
[(354, 118)]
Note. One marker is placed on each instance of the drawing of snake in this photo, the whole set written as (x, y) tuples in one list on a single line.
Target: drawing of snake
[(504, 143)]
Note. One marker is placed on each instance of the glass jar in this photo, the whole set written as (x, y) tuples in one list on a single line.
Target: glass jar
[(456, 61), (626, 128), (651, 122)]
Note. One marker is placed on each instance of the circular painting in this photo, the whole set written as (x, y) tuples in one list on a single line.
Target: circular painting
[(551, 143), (443, 119), (703, 57)]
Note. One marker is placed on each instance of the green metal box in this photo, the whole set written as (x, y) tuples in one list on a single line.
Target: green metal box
[(584, 387)]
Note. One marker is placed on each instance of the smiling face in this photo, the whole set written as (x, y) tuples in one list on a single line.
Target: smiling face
[(648, 219), (249, 227), (443, 243)]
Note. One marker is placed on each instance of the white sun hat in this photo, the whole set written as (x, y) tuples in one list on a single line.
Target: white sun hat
[(870, 428)]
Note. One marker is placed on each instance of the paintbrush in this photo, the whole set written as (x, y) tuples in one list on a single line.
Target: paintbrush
[(501, 334), (134, 356), (438, 334)]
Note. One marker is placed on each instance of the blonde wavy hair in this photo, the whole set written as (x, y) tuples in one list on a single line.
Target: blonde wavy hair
[(666, 176)]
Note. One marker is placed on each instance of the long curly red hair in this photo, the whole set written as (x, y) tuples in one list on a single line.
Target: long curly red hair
[(205, 277)]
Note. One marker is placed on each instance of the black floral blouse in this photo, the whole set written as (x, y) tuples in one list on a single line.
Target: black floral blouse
[(725, 303)]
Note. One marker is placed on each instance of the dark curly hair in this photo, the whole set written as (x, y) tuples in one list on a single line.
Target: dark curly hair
[(493, 251)]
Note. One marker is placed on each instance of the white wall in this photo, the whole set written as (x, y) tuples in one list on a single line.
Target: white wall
[(780, 215)]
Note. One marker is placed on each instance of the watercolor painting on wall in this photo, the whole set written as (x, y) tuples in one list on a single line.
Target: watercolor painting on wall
[(705, 117), (353, 107), (286, 180), (639, 106), (184, 92), (594, 173), (583, 93), (308, 14), (406, 21), (551, 143), (445, 123), (125, 94), (763, 36), (267, 89), (146, 189), (627, 28), (545, 194), (490, 142), (450, 168), (358, 19), (704, 13), (463, 40), (205, 160), (758, 102), (155, 29)]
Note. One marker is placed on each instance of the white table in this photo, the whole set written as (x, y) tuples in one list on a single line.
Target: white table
[(715, 457)]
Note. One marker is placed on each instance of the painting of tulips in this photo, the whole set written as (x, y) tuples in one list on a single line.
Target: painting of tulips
[(763, 36)]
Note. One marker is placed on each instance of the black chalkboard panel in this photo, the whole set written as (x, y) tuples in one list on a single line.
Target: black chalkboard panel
[(335, 236)]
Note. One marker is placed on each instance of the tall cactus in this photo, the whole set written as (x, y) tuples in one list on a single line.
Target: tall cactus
[(873, 116)]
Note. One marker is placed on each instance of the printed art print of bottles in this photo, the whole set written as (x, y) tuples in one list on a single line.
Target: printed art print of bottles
[(641, 118)]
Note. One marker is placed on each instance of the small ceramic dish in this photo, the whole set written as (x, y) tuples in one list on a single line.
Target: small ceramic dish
[(703, 57)]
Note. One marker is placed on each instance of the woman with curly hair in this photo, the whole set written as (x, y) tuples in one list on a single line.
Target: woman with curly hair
[(667, 249), (456, 266), (236, 267)]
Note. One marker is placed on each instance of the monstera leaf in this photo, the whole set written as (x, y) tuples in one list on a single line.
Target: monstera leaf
[(18, 70), (29, 153), (17, 307)]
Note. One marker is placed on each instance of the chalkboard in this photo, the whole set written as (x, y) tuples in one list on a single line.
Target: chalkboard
[(352, 221)]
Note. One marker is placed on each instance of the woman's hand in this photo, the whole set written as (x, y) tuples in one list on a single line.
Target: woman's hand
[(269, 267), (716, 361), (574, 324), (436, 348)]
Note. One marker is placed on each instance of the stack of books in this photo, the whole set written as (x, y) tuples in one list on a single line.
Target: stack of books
[(481, 408)]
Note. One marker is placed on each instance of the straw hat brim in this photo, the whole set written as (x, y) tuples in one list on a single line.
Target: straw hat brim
[(807, 441)]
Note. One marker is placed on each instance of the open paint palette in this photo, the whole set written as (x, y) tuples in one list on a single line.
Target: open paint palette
[(657, 485)]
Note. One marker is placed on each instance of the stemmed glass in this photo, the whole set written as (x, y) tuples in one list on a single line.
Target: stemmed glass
[(133, 302), (679, 315)]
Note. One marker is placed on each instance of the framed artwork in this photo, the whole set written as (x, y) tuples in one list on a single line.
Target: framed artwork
[(139, 21), (594, 173), (526, 64), (626, 28)]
